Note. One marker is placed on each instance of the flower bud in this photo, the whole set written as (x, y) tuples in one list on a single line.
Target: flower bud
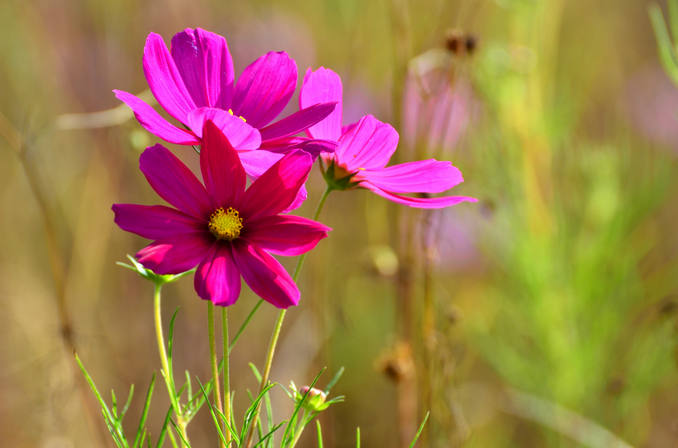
[(313, 399)]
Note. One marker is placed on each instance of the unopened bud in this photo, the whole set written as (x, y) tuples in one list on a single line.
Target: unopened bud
[(313, 399)]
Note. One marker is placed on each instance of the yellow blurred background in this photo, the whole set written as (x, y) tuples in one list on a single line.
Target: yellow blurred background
[(544, 315)]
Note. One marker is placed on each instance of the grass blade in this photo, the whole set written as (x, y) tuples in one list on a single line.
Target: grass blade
[(421, 428), (141, 432)]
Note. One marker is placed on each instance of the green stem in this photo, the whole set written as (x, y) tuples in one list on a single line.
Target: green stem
[(213, 359), (300, 428), (166, 368), (227, 373), (278, 324)]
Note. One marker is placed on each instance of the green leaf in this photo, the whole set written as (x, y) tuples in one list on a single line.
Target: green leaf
[(251, 410), (357, 437), (141, 431), (176, 428), (334, 380), (163, 430), (267, 398), (667, 53), (269, 434), (112, 423), (319, 431), (215, 419), (673, 19), (421, 428), (127, 403)]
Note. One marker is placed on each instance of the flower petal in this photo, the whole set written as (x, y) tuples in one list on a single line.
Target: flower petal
[(264, 88), (174, 182), (175, 255), (241, 135), (298, 121), (222, 171), (440, 202), (424, 176), (205, 65), (265, 275), (312, 146), (155, 221), (367, 145), (257, 162), (217, 278), (276, 189), (165, 80), (154, 123), (285, 234), (322, 86)]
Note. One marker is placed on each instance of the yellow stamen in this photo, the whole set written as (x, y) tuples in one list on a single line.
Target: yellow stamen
[(230, 111), (225, 224)]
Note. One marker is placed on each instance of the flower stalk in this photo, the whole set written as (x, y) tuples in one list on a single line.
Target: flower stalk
[(166, 367), (213, 360), (227, 373), (278, 324)]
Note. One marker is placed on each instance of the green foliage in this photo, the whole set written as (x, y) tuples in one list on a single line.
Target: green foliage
[(668, 50), (148, 274), (114, 417)]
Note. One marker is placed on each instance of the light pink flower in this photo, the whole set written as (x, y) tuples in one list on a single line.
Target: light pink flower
[(225, 230), (195, 82), (364, 148)]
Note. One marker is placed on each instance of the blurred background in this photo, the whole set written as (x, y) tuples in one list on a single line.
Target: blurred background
[(544, 315)]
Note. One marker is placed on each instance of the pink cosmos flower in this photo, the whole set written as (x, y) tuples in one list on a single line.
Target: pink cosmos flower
[(364, 148), (195, 82), (221, 227)]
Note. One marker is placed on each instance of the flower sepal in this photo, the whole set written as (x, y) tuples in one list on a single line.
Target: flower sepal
[(148, 274), (337, 177)]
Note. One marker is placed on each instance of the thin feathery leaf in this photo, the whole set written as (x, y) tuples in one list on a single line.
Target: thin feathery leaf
[(334, 380), (215, 418), (141, 430)]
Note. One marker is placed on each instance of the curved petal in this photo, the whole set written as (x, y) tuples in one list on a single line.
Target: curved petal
[(175, 255), (265, 275), (367, 145), (312, 146), (165, 80), (276, 189), (155, 221), (264, 88), (241, 135), (174, 182), (424, 176), (154, 123), (205, 65), (222, 171), (285, 234), (257, 162), (299, 199), (440, 202), (322, 86), (297, 122), (217, 278)]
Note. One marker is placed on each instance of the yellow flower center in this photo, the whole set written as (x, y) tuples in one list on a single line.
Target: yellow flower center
[(230, 111), (225, 224)]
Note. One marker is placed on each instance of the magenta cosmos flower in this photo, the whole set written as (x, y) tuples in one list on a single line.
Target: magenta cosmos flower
[(364, 148), (195, 82), (221, 227)]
